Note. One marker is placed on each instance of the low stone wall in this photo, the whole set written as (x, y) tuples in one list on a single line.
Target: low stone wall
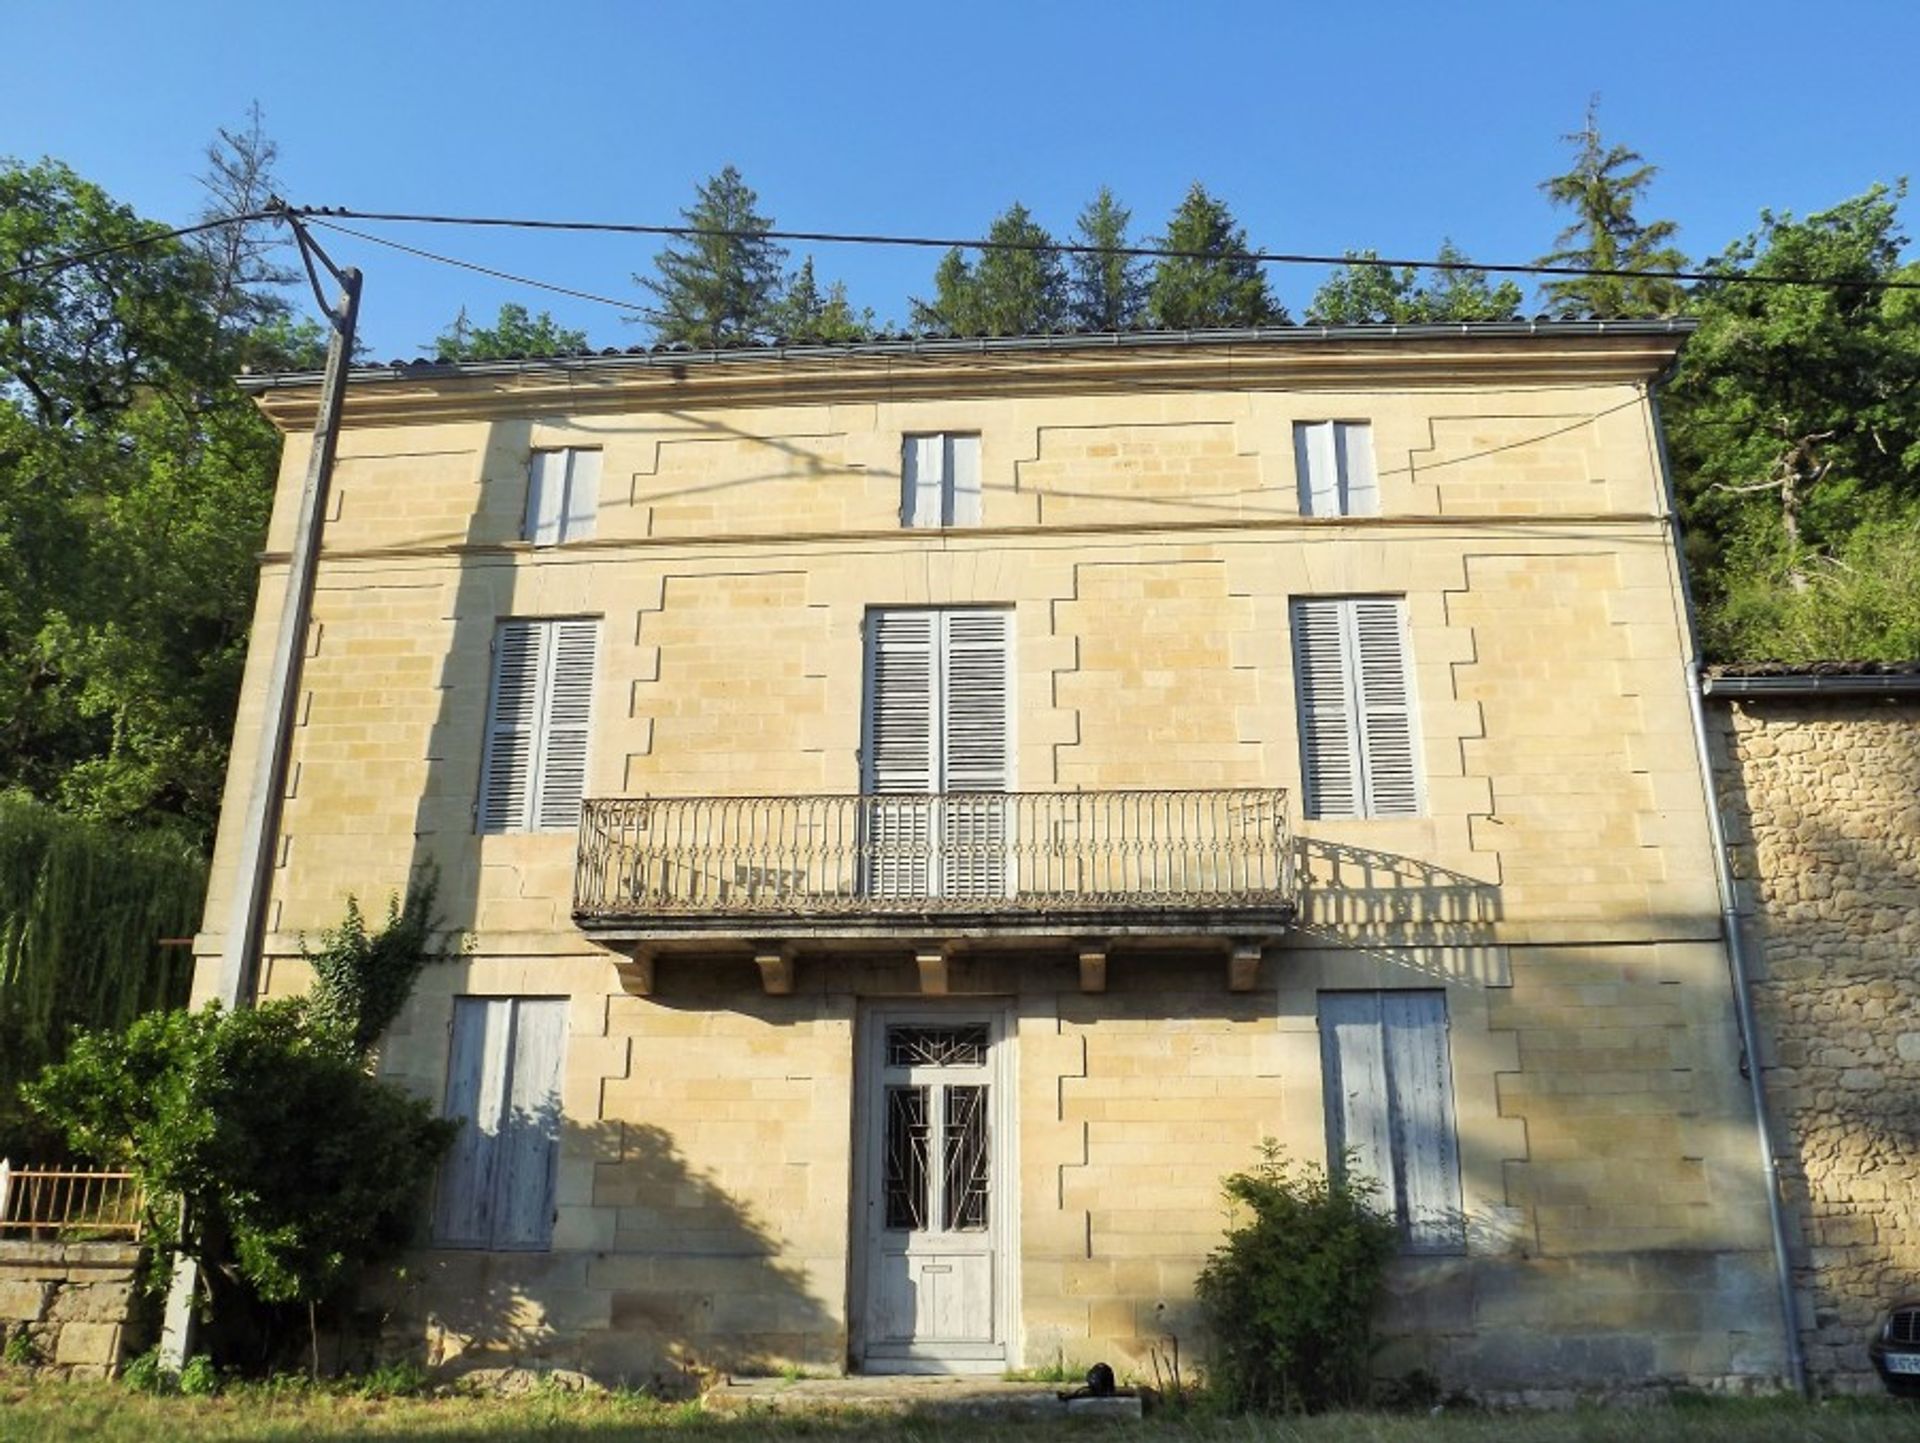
[(1822, 799), (73, 1300)]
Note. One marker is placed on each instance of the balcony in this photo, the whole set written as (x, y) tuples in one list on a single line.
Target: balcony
[(952, 869)]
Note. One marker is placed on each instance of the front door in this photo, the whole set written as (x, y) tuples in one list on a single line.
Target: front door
[(931, 1274)]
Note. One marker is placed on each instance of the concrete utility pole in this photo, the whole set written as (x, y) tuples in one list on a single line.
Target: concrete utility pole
[(244, 939)]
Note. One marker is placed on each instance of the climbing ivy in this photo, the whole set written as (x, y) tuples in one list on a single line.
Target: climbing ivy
[(83, 908)]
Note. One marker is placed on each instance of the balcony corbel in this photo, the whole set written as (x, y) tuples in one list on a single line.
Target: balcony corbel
[(776, 964)]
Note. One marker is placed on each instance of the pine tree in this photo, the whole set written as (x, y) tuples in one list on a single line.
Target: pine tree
[(954, 309), (1601, 190), (1407, 295), (1213, 282), (1107, 292), (808, 313), (722, 287), (244, 259), (1019, 287), (515, 332)]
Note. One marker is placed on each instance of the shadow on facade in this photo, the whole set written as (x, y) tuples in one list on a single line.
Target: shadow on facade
[(1397, 909)]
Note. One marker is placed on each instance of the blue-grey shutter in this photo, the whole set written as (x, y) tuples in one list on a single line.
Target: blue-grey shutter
[(976, 750), (963, 481), (582, 509), (463, 1205), (1359, 482), (566, 723), (900, 752), (923, 469), (1316, 465), (527, 1153), (513, 726), (546, 497), (1324, 690), (1384, 693)]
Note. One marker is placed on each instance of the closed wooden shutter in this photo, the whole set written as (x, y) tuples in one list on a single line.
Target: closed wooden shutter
[(529, 1145), (1316, 465), (539, 725), (546, 497), (923, 467), (1359, 745), (583, 495), (1389, 1101), (901, 749), (1359, 482), (476, 1093), (976, 754), (1323, 685), (963, 481)]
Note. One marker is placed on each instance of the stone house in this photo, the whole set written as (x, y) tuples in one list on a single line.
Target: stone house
[(921, 812), (1819, 773)]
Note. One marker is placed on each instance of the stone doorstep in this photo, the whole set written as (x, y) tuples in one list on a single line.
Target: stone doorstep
[(908, 1393)]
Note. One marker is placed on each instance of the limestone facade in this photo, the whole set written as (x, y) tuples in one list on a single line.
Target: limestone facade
[(1822, 796), (1141, 522), (73, 1302)]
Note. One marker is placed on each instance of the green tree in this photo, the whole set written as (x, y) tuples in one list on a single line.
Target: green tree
[(721, 287), (1412, 295), (1211, 281), (514, 333), (1017, 288), (1107, 291), (1794, 425), (809, 313), (1602, 189), (362, 979)]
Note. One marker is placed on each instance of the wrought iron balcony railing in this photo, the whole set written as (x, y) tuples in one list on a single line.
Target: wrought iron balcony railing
[(1005, 855)]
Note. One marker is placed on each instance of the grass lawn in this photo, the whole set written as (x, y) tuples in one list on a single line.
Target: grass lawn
[(44, 1412)]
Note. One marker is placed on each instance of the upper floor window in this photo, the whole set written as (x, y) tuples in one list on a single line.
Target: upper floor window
[(539, 719), (940, 480), (1359, 746), (1389, 1100), (563, 496), (503, 1087), (1334, 462)]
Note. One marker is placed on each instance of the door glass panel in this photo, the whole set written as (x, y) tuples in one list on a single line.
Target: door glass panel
[(905, 1168), (937, 1046), (964, 1174)]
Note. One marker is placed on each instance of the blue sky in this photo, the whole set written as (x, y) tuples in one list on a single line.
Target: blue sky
[(1325, 127)]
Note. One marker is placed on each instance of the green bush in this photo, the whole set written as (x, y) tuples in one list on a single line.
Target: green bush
[(199, 1379), (1290, 1295)]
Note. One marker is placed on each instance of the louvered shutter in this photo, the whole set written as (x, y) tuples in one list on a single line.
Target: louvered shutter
[(1420, 1085), (1316, 465), (963, 481), (1324, 691), (923, 479), (568, 718), (463, 1208), (1359, 482), (513, 726), (528, 1148), (583, 496), (546, 497), (901, 755), (1385, 696), (976, 756)]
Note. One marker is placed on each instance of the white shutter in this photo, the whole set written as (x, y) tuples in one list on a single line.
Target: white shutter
[(976, 751), (1426, 1152), (1387, 740), (923, 479), (1359, 483), (1316, 465), (900, 755), (546, 497), (463, 1207), (963, 481), (1354, 1067), (513, 726), (583, 496), (528, 1148), (1329, 734), (568, 717)]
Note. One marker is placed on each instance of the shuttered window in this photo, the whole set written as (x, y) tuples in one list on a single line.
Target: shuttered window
[(1359, 744), (1334, 463), (496, 1187), (1389, 1100), (539, 721), (940, 480), (939, 720), (563, 496)]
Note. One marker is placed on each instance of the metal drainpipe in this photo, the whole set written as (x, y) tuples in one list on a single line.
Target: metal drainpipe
[(1730, 924)]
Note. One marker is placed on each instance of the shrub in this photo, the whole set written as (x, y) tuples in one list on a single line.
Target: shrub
[(199, 1378), (1290, 1295)]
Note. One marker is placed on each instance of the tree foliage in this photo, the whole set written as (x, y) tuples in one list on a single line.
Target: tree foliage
[(1212, 281), (721, 287), (1017, 288), (1410, 295), (295, 1166), (1290, 1295), (513, 333), (1107, 291), (813, 313), (1602, 189), (82, 911)]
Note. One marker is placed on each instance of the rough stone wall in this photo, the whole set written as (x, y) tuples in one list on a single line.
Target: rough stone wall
[(1823, 803), (72, 1300)]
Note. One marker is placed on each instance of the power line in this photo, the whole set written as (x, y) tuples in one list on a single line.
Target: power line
[(60, 263), (323, 213), (628, 306)]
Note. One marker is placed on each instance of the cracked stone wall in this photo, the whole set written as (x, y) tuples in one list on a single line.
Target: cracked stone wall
[(1823, 804), (72, 1300)]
